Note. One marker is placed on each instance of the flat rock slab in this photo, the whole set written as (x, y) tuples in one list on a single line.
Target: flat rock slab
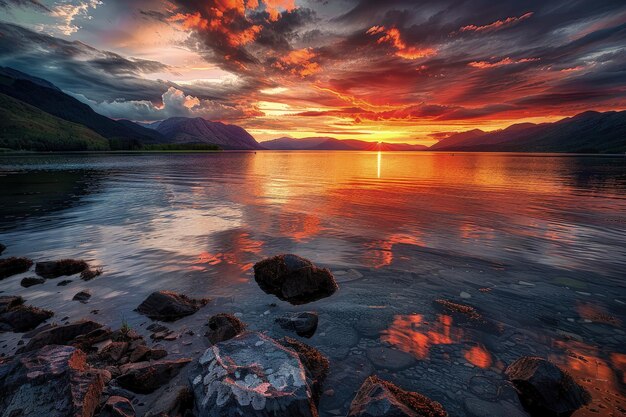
[(294, 279), (54, 381), (169, 306), (379, 398), (254, 376)]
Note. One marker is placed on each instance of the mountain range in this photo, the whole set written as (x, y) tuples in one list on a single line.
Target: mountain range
[(37, 115)]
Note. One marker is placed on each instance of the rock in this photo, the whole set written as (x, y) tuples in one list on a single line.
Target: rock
[(144, 353), (13, 266), (379, 398), (117, 407), (294, 279), (21, 318), (113, 352), (60, 335), (172, 402), (304, 323), (7, 302), (54, 381), (544, 389), (2, 248), (82, 296), (64, 283), (89, 274), (223, 327), (169, 306), (30, 281), (146, 377), (391, 359), (251, 375), (314, 362), (55, 269)]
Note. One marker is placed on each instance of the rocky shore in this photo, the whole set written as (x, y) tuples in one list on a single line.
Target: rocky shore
[(86, 368)]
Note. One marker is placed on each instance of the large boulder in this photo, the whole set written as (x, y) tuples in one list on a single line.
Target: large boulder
[(294, 279), (223, 327), (379, 398), (304, 323), (55, 269), (545, 389), (146, 377), (54, 381), (169, 306), (13, 266), (60, 335), (254, 376)]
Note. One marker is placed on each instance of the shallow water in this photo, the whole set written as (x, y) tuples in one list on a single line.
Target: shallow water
[(535, 242)]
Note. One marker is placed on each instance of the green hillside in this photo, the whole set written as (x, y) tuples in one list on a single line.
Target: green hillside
[(24, 127)]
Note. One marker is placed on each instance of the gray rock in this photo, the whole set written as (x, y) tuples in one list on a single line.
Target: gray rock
[(544, 389), (391, 359), (294, 279), (54, 381), (169, 306), (117, 407), (303, 324), (379, 398), (223, 327), (251, 375)]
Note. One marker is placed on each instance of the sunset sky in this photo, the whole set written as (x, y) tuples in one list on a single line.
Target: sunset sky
[(393, 70)]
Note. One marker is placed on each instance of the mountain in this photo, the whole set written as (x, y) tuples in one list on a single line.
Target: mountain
[(48, 98), (456, 139), (333, 144), (199, 130), (588, 132), (25, 127)]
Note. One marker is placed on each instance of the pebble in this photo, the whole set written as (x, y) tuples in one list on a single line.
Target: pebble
[(465, 295)]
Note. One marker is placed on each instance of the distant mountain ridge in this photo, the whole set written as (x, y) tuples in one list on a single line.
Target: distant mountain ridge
[(199, 130), (588, 132), (333, 144)]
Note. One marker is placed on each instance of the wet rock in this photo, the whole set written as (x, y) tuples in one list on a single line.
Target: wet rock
[(303, 323), (55, 269), (314, 362), (2, 248), (379, 398), (113, 352), (169, 306), (82, 296), (21, 318), (117, 407), (30, 281), (8, 302), (294, 279), (223, 327), (146, 377), (53, 381), (391, 359), (64, 283), (60, 335), (90, 273), (544, 389), (13, 266), (251, 375), (172, 402), (144, 353)]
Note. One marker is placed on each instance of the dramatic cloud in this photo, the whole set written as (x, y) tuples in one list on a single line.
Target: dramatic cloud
[(497, 25)]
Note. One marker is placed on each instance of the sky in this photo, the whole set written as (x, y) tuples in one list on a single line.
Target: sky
[(392, 70)]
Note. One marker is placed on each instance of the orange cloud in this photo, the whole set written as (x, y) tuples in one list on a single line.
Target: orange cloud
[(298, 62), (497, 25), (502, 62), (392, 36)]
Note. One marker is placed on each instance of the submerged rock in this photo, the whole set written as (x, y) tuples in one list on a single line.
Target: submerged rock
[(303, 324), (54, 381), (13, 266), (251, 375), (379, 398), (146, 377), (169, 306), (224, 327), (82, 296), (294, 279), (544, 389), (55, 269), (30, 281), (60, 335), (117, 407)]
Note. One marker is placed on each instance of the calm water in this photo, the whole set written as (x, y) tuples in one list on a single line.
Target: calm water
[(536, 241)]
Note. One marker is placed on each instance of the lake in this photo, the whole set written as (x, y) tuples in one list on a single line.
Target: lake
[(536, 243)]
